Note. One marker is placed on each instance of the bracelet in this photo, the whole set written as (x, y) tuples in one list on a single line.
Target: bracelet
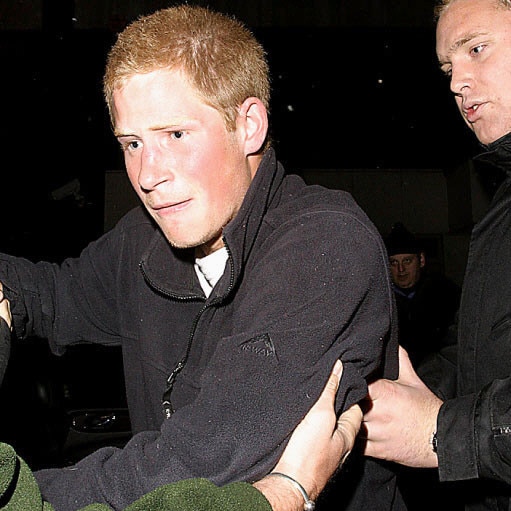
[(309, 504)]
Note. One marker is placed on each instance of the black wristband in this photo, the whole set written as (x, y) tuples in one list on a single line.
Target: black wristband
[(434, 442)]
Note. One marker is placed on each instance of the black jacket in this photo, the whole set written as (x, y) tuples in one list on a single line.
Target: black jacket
[(305, 284), (474, 424), (426, 314)]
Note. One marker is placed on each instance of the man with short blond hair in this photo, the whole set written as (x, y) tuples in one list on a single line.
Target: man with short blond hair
[(464, 426)]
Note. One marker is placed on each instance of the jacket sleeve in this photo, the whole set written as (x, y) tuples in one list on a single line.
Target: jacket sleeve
[(19, 491), (474, 435), (201, 495), (68, 303), (18, 488)]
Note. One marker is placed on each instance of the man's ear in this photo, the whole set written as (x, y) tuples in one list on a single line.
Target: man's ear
[(252, 124), (422, 259)]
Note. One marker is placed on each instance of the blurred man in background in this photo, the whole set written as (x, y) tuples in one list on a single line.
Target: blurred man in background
[(427, 300)]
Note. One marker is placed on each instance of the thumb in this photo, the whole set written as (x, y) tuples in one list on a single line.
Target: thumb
[(406, 371), (335, 377)]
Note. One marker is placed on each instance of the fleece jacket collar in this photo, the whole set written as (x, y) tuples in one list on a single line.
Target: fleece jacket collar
[(170, 271)]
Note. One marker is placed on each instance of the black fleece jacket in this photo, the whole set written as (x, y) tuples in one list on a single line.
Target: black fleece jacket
[(306, 282)]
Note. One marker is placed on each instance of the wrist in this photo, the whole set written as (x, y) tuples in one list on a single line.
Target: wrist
[(281, 495), (305, 475), (308, 503)]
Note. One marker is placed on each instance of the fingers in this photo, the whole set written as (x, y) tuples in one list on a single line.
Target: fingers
[(334, 379), (5, 309), (348, 427), (351, 417), (407, 374), (349, 423), (326, 399), (406, 370)]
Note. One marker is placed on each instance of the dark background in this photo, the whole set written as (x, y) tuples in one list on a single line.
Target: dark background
[(354, 86)]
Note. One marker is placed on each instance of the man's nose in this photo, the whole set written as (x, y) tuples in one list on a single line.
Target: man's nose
[(461, 78), (152, 171)]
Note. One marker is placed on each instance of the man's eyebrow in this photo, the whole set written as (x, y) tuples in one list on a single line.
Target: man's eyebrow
[(464, 40), (118, 134), (444, 59), (174, 125)]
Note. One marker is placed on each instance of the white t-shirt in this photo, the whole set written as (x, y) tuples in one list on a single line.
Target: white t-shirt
[(210, 268)]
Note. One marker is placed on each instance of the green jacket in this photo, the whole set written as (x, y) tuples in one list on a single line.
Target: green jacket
[(19, 492)]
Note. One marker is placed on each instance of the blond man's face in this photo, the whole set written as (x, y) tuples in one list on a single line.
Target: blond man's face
[(473, 43), (189, 171)]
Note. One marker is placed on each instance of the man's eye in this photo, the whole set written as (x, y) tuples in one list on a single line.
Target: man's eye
[(177, 134), (446, 71), (129, 145), (477, 49)]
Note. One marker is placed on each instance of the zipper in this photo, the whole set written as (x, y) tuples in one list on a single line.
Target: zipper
[(168, 409)]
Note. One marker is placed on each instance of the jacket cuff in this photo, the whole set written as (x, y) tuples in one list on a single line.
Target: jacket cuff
[(456, 450)]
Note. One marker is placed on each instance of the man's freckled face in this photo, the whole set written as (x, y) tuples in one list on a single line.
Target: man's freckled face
[(187, 168)]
